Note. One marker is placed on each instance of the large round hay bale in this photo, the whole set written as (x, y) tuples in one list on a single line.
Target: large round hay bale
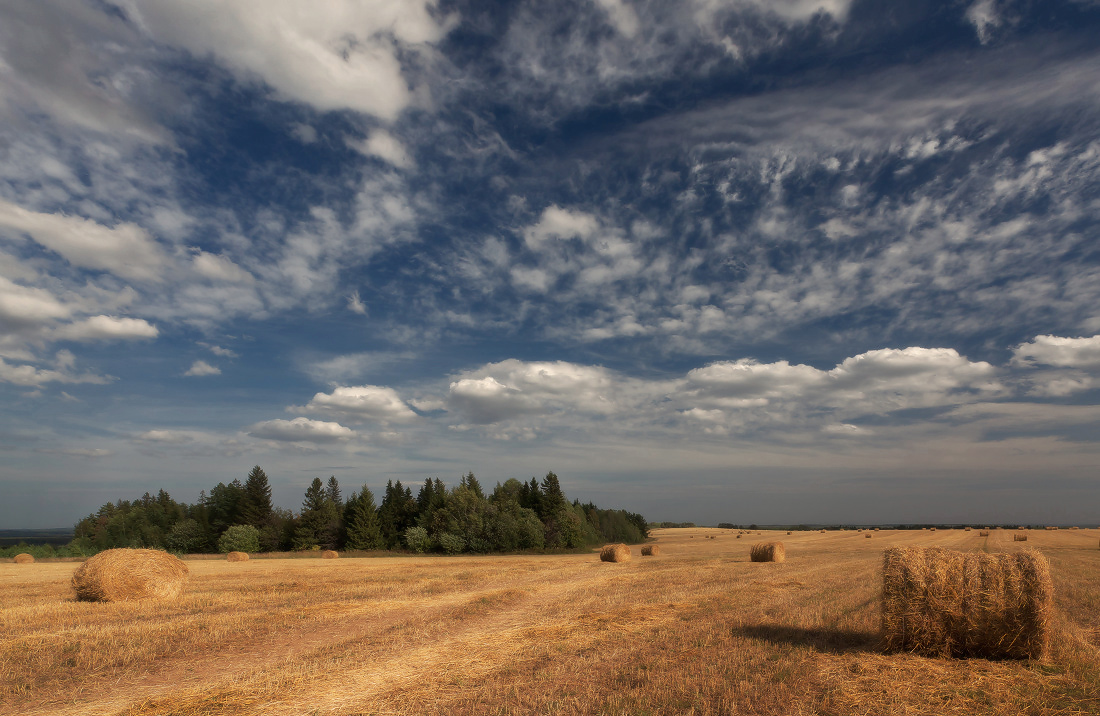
[(24, 558), (651, 550), (941, 602), (615, 553), (1019, 538), (236, 557), (329, 554), (120, 575), (768, 552)]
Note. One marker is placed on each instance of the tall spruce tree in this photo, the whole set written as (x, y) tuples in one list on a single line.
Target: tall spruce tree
[(361, 521), (256, 506), (315, 522), (333, 492)]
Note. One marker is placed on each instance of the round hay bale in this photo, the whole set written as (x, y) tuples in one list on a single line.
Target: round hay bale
[(615, 553), (649, 550), (24, 558), (329, 554), (236, 557), (121, 575), (868, 535), (738, 536), (983, 533), (941, 602), (1019, 538), (789, 532), (768, 552)]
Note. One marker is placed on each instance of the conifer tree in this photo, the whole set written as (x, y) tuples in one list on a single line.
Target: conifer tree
[(256, 506), (361, 521), (333, 492)]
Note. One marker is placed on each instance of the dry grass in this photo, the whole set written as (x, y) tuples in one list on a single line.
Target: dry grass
[(615, 553), (23, 558), (701, 631), (942, 602), (122, 575)]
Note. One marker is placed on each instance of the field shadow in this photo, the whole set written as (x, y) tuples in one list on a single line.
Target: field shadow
[(823, 639)]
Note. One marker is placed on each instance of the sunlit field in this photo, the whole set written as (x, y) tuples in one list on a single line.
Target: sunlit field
[(698, 629)]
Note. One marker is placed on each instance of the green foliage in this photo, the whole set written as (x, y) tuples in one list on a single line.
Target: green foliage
[(319, 523), (186, 537), (417, 540), (396, 514), (361, 522), (256, 509), (450, 544), (239, 538)]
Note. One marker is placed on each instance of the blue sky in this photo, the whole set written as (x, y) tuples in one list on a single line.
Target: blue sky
[(748, 261)]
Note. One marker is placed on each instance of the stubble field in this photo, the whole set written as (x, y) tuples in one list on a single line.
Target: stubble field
[(696, 630)]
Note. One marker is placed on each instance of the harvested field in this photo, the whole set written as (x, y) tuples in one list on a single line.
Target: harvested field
[(699, 631)]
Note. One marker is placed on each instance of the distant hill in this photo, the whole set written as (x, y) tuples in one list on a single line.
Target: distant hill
[(50, 535)]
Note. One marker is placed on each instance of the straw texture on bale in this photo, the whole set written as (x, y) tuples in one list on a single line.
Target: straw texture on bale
[(24, 558), (120, 575), (651, 550), (236, 557), (329, 554), (983, 533), (940, 602), (615, 553), (768, 552), (868, 535), (1019, 538)]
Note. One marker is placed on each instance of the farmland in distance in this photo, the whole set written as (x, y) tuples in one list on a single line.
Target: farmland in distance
[(698, 629)]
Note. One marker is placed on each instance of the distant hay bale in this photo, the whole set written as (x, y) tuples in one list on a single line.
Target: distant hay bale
[(876, 529), (933, 529), (1019, 538), (120, 575), (768, 552), (868, 535), (24, 558), (983, 533), (941, 602), (236, 557), (789, 532), (966, 529), (1075, 528), (615, 553), (649, 550), (738, 536), (329, 554)]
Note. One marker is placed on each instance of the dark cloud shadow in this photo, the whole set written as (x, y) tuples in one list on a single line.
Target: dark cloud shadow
[(823, 639)]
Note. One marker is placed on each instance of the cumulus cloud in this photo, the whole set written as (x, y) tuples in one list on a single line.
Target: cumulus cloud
[(385, 146), (559, 223), (1059, 352), (363, 402), (125, 250), (301, 430), (338, 55), (62, 372), (107, 328), (220, 268), (202, 368)]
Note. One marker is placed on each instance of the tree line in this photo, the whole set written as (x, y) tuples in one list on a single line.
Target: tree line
[(239, 516)]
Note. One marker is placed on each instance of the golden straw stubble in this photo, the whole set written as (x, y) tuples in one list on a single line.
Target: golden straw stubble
[(940, 602)]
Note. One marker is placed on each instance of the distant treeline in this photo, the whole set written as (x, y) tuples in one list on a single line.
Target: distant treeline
[(239, 516)]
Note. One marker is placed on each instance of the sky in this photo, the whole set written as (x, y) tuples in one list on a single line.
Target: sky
[(769, 261)]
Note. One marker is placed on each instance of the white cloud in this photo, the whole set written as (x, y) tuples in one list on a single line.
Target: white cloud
[(125, 250), (622, 16), (103, 328), (983, 16), (169, 437), (30, 376), (385, 146), (335, 55), (486, 400), (748, 379), (558, 223), (202, 368), (1059, 352), (219, 350), (28, 306), (356, 305), (220, 268), (301, 430), (364, 402)]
